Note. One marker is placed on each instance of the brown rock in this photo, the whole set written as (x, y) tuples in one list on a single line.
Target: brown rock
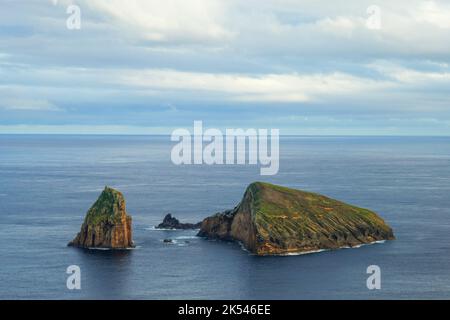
[(171, 222), (273, 219), (107, 224)]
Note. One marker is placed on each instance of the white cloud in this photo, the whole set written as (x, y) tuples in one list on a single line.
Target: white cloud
[(27, 104), (259, 28), (147, 54), (235, 87), (269, 87), (434, 13), (409, 76), (169, 20)]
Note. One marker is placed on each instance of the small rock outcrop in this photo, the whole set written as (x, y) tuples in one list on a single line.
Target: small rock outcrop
[(170, 222), (273, 220), (107, 224)]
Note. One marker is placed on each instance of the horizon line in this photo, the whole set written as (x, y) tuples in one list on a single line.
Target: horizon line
[(168, 135)]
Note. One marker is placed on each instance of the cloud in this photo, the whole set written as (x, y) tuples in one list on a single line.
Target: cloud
[(294, 87), (411, 76), (408, 29), (171, 20), (433, 13), (268, 87), (142, 62), (27, 104)]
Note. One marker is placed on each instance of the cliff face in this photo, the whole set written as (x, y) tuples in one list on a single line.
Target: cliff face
[(106, 224), (272, 219)]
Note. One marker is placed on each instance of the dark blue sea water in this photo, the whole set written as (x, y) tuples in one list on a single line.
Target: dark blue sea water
[(47, 183)]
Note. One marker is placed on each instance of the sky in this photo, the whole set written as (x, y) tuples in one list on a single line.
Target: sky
[(312, 67)]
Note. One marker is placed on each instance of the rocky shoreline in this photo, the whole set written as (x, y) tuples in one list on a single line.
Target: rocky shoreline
[(275, 220)]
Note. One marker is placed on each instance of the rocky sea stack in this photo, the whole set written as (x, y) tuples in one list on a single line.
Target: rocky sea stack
[(273, 220), (171, 222), (107, 224)]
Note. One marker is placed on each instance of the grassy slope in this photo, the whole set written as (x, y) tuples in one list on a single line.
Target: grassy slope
[(282, 213), (106, 208)]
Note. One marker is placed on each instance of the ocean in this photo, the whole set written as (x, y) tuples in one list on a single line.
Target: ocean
[(48, 182)]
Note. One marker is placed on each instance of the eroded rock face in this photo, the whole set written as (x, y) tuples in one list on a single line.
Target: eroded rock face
[(170, 222), (107, 224), (218, 226), (272, 219)]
